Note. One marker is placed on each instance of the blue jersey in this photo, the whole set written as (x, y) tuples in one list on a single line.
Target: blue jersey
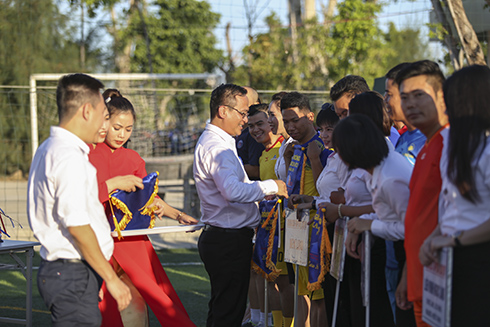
[(409, 144)]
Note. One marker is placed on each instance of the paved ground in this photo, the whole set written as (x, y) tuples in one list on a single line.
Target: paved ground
[(13, 195)]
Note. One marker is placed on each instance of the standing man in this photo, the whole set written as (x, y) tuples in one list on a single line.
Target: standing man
[(65, 213), (344, 90), (228, 205), (422, 101)]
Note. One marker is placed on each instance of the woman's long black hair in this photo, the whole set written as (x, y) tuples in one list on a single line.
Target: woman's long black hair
[(467, 97)]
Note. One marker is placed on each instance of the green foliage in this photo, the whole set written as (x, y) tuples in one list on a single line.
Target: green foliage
[(35, 38), (181, 39), (351, 44)]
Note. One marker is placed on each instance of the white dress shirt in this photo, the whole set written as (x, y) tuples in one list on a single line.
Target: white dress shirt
[(280, 168), (356, 190), (389, 188), (455, 212), (62, 192), (228, 197), (334, 175)]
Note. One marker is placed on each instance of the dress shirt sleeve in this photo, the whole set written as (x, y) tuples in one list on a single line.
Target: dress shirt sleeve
[(72, 193), (395, 193), (223, 169)]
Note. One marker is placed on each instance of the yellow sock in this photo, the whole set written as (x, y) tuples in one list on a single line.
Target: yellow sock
[(277, 318), (287, 321)]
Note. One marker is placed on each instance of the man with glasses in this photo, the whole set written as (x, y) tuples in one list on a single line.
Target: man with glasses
[(228, 205)]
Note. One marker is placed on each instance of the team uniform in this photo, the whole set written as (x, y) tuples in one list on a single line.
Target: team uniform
[(135, 254), (422, 214), (309, 188)]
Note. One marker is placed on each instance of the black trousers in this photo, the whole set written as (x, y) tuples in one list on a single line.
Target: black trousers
[(404, 318), (227, 255), (70, 290)]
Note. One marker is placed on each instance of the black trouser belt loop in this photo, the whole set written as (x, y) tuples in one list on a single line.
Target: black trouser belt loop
[(243, 230)]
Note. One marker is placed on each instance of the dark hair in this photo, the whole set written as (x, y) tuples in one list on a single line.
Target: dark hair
[(224, 95), (391, 74), (278, 96), (295, 99), (350, 84), (467, 97), (359, 142), (74, 91), (372, 104), (256, 108), (435, 77), (115, 102), (327, 115)]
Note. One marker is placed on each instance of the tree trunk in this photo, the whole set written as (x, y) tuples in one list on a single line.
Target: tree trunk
[(294, 21), (449, 39), (466, 33)]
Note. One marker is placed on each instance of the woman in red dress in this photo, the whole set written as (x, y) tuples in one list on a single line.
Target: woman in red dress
[(134, 258)]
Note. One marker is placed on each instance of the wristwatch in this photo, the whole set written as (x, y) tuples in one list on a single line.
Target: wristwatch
[(313, 204), (456, 236)]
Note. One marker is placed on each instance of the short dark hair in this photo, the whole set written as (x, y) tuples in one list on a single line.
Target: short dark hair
[(224, 95), (467, 98), (372, 104), (391, 74), (256, 108), (278, 96), (327, 115), (115, 102), (359, 143), (435, 77), (295, 99), (350, 84), (74, 91)]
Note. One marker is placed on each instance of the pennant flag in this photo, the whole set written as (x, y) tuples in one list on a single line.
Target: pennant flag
[(320, 252), (264, 257), (130, 209)]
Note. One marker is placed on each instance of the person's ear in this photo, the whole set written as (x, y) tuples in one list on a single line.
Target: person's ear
[(311, 116), (222, 112), (86, 111)]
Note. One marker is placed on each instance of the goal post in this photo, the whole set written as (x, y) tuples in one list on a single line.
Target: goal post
[(212, 80)]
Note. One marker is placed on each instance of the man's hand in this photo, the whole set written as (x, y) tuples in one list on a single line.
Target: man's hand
[(120, 292), (401, 292), (289, 151), (282, 189), (351, 245), (313, 150), (357, 225), (337, 197), (128, 183)]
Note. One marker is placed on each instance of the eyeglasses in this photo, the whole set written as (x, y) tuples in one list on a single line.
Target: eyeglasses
[(243, 114)]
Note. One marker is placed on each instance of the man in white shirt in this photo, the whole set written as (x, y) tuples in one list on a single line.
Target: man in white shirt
[(65, 213), (228, 205)]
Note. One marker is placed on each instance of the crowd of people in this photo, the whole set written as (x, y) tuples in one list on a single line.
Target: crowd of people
[(409, 167)]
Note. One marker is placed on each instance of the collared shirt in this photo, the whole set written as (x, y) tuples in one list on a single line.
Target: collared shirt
[(456, 212), (334, 175), (410, 143), (228, 197), (356, 190), (62, 192), (280, 167), (389, 189)]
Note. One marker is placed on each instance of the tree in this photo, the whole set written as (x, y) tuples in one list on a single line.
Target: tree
[(35, 38)]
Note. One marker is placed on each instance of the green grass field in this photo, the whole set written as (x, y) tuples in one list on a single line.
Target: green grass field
[(189, 280)]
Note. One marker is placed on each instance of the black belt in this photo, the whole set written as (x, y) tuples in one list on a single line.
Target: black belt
[(68, 261), (243, 230)]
